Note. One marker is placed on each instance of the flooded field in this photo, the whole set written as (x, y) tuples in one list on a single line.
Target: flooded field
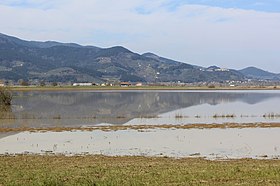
[(87, 108), (166, 115), (208, 143)]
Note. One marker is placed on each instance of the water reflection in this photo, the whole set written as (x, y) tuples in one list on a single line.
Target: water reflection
[(48, 109)]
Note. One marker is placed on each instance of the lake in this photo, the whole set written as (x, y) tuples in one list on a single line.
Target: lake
[(92, 108)]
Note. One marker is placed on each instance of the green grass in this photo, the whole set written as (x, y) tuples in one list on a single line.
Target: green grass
[(100, 170)]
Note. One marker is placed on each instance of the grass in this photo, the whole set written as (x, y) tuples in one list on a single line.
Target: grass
[(100, 170)]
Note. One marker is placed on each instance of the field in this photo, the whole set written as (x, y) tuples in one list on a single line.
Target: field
[(101, 170)]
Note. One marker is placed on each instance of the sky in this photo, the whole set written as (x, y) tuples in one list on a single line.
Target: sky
[(227, 33)]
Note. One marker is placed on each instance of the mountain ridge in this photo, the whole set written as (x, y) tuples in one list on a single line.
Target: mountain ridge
[(260, 74), (69, 62)]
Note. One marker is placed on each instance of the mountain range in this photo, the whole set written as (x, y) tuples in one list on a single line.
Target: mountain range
[(69, 62)]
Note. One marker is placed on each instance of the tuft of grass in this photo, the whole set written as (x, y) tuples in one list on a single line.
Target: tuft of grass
[(149, 116), (120, 117), (179, 116), (57, 117), (101, 170)]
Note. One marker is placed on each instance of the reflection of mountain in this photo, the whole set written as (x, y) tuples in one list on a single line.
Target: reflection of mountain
[(216, 98), (257, 97), (119, 107)]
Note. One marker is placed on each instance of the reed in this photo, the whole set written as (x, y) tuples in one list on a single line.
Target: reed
[(224, 116)]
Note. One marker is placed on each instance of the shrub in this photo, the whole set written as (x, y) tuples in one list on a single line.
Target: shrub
[(5, 97), (211, 86), (54, 84)]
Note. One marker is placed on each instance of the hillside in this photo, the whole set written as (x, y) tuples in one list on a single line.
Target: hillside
[(256, 73), (63, 62)]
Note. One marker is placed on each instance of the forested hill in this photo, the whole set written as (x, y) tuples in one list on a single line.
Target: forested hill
[(62, 62)]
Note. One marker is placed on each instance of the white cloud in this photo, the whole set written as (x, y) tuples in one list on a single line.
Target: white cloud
[(201, 35)]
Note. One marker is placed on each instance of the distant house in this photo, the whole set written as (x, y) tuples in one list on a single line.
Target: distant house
[(125, 84), (2, 84), (139, 84), (82, 84)]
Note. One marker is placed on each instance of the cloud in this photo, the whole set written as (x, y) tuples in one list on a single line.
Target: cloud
[(258, 5), (198, 34), (38, 4)]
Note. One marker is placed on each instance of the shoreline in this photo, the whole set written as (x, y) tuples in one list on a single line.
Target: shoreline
[(116, 88)]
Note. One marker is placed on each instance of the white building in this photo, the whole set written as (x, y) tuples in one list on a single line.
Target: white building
[(2, 84), (82, 84)]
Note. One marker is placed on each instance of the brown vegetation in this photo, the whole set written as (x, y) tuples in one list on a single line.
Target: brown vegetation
[(144, 127)]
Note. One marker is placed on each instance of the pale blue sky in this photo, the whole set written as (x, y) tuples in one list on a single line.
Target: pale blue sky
[(227, 33), (258, 5)]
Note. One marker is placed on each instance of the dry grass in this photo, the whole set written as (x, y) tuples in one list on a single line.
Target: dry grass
[(271, 115), (100, 170), (143, 127), (224, 116)]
